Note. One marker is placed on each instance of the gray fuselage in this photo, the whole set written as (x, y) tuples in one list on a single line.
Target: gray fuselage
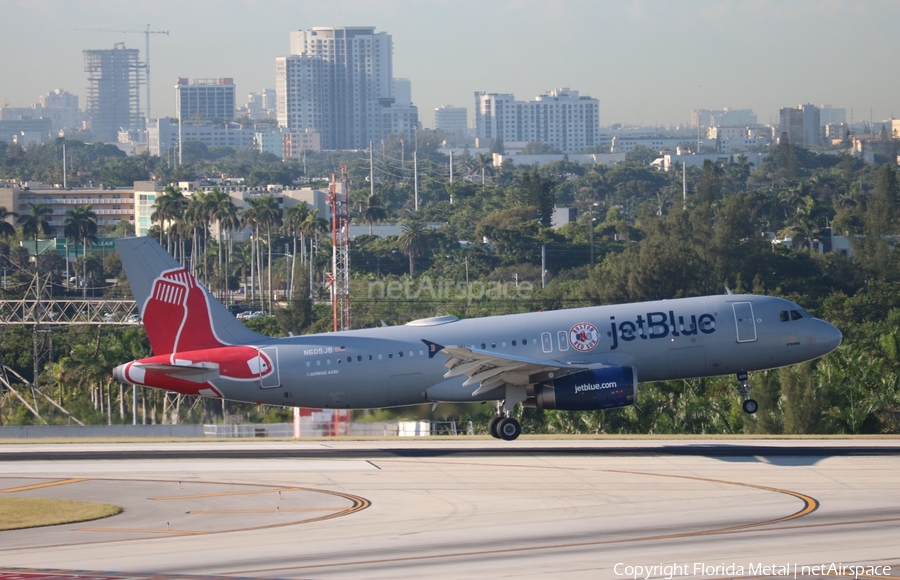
[(661, 340)]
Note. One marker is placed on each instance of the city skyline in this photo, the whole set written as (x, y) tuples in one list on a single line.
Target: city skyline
[(647, 63)]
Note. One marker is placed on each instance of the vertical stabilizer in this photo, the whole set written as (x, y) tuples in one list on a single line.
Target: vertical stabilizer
[(178, 313)]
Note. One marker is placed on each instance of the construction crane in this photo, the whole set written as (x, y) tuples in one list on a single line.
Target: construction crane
[(146, 34)]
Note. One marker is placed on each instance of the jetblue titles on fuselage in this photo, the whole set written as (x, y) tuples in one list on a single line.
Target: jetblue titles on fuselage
[(660, 325)]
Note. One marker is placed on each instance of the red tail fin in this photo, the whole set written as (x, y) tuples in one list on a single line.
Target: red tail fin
[(177, 316)]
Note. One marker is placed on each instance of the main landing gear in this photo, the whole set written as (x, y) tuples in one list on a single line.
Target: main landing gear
[(503, 426), (749, 405)]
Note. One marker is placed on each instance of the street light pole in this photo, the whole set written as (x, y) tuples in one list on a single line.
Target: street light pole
[(591, 226)]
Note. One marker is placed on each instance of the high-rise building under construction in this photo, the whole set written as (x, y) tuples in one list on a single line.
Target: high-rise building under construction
[(113, 94)]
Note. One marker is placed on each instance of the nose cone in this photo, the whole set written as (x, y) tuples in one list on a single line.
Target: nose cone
[(831, 337)]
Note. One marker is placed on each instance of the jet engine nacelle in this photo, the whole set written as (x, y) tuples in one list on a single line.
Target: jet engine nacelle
[(603, 388)]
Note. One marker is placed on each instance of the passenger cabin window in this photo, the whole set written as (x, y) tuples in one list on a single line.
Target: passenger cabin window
[(563, 340), (546, 342)]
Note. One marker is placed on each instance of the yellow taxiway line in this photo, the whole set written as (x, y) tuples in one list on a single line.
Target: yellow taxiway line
[(42, 485)]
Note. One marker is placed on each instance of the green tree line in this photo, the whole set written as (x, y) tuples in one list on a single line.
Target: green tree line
[(637, 237)]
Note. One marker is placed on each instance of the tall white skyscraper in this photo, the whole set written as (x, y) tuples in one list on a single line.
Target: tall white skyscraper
[(301, 102), (337, 81)]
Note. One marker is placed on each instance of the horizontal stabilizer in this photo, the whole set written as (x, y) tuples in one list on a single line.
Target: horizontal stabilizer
[(196, 373)]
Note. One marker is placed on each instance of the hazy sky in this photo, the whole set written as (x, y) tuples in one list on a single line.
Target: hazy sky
[(647, 62)]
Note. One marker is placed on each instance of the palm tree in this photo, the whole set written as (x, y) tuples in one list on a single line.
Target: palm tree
[(266, 214), (805, 223), (81, 223), (293, 219), (484, 162), (229, 218), (412, 241), (250, 217), (271, 218), (312, 227), (170, 207), (375, 211), (196, 217), (7, 230), (219, 208), (36, 223)]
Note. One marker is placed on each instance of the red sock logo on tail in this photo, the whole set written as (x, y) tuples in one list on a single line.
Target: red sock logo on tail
[(176, 315), (164, 314)]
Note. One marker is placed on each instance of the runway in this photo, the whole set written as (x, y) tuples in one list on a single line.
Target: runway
[(469, 508)]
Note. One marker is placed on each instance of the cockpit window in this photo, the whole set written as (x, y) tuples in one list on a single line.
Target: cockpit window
[(798, 314)]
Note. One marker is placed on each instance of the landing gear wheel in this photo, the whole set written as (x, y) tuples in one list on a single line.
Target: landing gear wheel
[(749, 405), (493, 427), (509, 429)]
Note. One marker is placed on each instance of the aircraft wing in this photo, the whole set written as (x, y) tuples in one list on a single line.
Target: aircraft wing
[(493, 370)]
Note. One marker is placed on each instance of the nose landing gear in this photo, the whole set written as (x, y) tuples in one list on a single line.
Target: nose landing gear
[(749, 405)]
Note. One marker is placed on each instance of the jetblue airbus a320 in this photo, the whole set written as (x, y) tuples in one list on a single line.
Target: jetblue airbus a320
[(579, 359)]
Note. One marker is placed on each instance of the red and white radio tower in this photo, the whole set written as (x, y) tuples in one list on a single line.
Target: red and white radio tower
[(339, 198)]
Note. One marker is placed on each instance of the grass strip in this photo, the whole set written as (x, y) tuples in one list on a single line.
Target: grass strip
[(17, 513)]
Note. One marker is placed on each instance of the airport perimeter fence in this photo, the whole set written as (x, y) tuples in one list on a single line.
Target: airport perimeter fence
[(275, 430), (327, 428)]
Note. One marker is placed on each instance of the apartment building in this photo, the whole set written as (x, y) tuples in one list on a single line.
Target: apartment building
[(560, 118), (205, 98), (111, 204)]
